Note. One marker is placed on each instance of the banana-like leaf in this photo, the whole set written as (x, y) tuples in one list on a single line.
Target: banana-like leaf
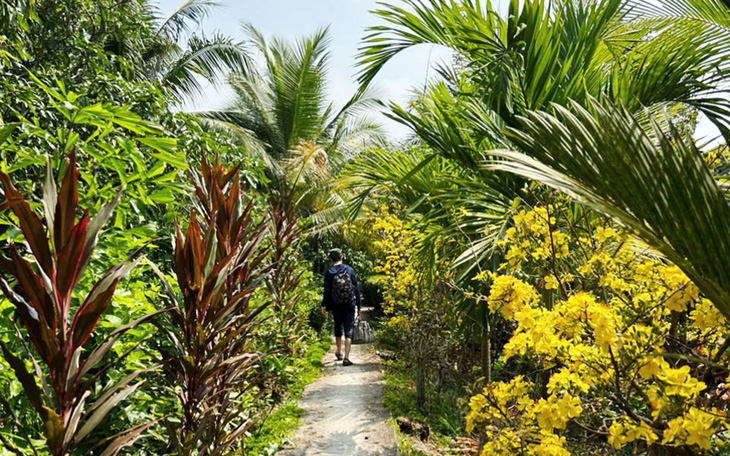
[(67, 202), (30, 225)]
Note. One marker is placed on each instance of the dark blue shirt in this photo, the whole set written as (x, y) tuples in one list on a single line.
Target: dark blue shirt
[(329, 277)]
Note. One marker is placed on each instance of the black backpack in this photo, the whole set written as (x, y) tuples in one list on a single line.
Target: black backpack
[(343, 291)]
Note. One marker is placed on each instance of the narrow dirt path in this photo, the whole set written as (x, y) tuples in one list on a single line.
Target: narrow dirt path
[(344, 412)]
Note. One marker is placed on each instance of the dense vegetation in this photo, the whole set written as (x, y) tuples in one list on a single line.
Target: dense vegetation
[(204, 327), (548, 250), (552, 243)]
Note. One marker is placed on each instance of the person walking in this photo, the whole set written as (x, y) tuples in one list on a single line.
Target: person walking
[(342, 298)]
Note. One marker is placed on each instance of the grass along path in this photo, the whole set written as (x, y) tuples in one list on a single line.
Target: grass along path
[(343, 411)]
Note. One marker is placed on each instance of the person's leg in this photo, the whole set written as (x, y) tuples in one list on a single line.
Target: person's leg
[(349, 328), (339, 332), (348, 343)]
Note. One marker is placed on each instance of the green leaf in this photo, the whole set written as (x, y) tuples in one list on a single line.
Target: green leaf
[(165, 145), (30, 387), (7, 130)]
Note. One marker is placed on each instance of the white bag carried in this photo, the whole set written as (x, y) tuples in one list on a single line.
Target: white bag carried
[(363, 333)]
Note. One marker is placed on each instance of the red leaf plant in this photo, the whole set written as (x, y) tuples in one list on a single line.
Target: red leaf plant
[(42, 292), (212, 349), (284, 280)]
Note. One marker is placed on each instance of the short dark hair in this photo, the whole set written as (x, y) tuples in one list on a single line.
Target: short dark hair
[(335, 255)]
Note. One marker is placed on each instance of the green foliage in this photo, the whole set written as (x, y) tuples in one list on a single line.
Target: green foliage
[(115, 147), (181, 70), (98, 79), (445, 411)]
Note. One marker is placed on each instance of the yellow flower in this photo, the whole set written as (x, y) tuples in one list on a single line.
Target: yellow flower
[(625, 431), (706, 316), (681, 291), (602, 234), (508, 295), (551, 283), (555, 413), (652, 366), (679, 382), (696, 427), (483, 276), (550, 445)]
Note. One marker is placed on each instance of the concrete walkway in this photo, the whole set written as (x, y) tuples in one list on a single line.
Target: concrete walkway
[(344, 412)]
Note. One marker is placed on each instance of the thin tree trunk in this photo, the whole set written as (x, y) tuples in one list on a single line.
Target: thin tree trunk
[(486, 348)]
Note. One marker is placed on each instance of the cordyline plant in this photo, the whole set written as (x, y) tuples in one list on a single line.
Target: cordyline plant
[(283, 282), (212, 352), (42, 292)]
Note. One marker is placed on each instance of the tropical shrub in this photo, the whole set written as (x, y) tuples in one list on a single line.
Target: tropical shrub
[(43, 293), (211, 353), (617, 346), (283, 284)]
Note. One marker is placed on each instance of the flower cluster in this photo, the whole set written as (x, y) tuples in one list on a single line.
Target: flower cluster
[(397, 273), (621, 345)]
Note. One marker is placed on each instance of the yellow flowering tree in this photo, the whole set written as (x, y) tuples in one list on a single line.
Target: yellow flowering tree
[(617, 350), (416, 306)]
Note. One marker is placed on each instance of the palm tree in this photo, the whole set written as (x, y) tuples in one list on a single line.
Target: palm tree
[(283, 111), (580, 95), (184, 69)]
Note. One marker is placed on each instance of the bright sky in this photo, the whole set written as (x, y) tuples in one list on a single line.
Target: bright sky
[(347, 20)]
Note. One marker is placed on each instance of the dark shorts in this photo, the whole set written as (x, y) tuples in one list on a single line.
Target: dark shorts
[(344, 322)]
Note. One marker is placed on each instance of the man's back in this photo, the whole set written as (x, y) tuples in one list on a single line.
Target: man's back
[(329, 281)]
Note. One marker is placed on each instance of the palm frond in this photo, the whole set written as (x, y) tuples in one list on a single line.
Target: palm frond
[(205, 59), (660, 189), (437, 22), (448, 205), (184, 19)]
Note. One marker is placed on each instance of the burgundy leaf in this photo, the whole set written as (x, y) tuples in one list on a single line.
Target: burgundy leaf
[(30, 387), (30, 225), (68, 200), (126, 438), (6, 266), (97, 302), (69, 260), (92, 232), (41, 336), (33, 288)]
